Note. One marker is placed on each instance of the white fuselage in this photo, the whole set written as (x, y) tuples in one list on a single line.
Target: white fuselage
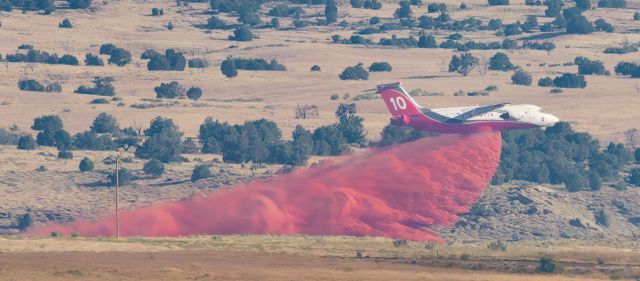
[(522, 112)]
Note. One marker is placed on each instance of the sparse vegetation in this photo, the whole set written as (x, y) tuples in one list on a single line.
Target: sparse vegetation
[(198, 63), (463, 63), (86, 165), (548, 265), (27, 143), (500, 61), (93, 60), (380, 67), (201, 172), (102, 87), (589, 67), (119, 57), (521, 77), (229, 68), (163, 141), (525, 158), (105, 123), (37, 56), (570, 80), (194, 93), (356, 72), (124, 177), (242, 33), (66, 23), (170, 90), (154, 167), (170, 61)]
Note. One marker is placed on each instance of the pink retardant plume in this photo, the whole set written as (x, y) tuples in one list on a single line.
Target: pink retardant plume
[(397, 192)]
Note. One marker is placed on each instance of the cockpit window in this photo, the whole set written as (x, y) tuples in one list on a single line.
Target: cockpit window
[(540, 110)]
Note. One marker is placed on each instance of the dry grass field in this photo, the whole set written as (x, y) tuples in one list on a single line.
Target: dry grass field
[(272, 257)]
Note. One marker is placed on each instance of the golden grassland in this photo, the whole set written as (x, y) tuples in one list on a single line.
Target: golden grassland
[(295, 257)]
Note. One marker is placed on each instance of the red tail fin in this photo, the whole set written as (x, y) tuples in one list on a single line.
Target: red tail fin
[(398, 100)]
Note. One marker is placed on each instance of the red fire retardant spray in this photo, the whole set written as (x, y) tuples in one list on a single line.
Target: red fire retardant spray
[(398, 192)]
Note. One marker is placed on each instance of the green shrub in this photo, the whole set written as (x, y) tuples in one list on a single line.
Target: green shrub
[(228, 68), (31, 85), (579, 25), (463, 63), (634, 176), (86, 165), (79, 4), (93, 60), (216, 23), (65, 154), (427, 41), (436, 7), (99, 101), (612, 3), (500, 61), (498, 2), (156, 12), (380, 67), (163, 142), (119, 57), (491, 88), (602, 25), (27, 143), (570, 80), (194, 93), (590, 67), (198, 63), (547, 265), (107, 49), (601, 218), (66, 23), (169, 90), (171, 61), (105, 123), (201, 172), (356, 72), (24, 222), (124, 177), (102, 87), (154, 167), (400, 243), (545, 82), (521, 77), (330, 11), (242, 33)]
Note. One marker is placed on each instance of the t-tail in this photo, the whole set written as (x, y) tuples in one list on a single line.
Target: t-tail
[(400, 104)]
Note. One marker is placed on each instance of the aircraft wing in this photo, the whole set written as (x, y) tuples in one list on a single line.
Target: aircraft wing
[(480, 110)]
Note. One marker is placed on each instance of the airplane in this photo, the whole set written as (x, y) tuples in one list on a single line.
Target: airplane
[(456, 120)]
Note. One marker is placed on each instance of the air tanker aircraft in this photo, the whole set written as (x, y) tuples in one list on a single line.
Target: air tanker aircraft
[(496, 117)]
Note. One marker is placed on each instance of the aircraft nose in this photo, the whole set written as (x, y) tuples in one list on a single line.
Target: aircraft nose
[(552, 119)]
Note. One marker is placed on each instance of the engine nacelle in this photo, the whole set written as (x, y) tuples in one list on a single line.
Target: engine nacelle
[(400, 120)]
